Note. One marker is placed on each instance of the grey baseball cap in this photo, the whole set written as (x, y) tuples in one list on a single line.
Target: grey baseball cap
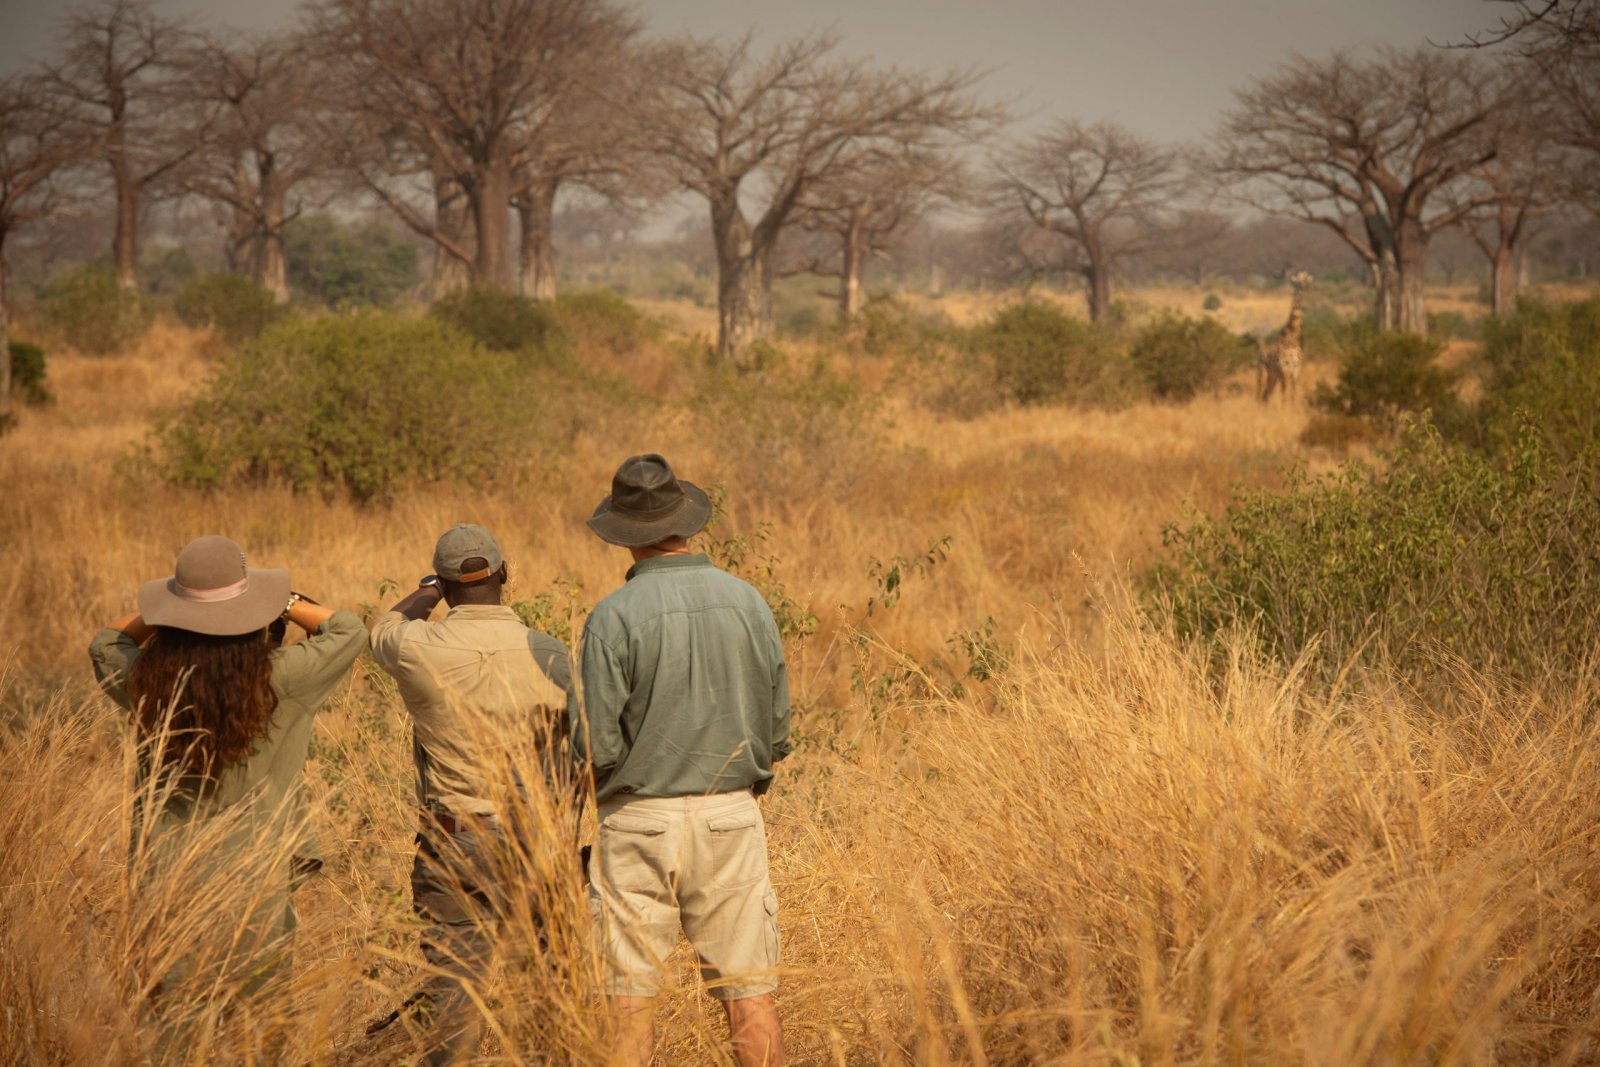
[(463, 542)]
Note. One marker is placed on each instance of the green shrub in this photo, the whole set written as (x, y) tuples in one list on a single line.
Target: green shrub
[(1385, 375), (237, 308), (501, 321), (349, 264), (1451, 326), (601, 320), (1324, 333), (360, 404), (1435, 552), (811, 431), (166, 269), (1544, 361), (1177, 357), (94, 314), (1039, 354), (1212, 302), (27, 374)]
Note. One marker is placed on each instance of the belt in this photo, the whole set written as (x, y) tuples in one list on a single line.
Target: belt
[(450, 824)]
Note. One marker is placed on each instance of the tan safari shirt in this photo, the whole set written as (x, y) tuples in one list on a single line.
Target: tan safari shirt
[(481, 688)]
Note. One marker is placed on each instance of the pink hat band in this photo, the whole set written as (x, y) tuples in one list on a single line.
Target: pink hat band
[(211, 596)]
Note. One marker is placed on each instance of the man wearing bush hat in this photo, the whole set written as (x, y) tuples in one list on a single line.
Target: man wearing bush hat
[(684, 710), (482, 689)]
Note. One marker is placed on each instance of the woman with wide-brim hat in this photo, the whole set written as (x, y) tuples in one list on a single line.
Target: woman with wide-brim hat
[(222, 712)]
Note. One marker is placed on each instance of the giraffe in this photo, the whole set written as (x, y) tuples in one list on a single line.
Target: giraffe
[(1278, 361)]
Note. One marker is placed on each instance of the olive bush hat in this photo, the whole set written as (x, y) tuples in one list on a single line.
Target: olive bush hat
[(648, 503), (212, 591)]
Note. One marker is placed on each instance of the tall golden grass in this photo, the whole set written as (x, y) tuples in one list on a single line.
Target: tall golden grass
[(1114, 852)]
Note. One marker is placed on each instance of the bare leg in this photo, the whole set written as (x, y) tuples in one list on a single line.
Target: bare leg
[(757, 1037), (636, 1030)]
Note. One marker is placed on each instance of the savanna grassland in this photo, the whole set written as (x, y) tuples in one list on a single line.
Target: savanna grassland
[(1024, 822)]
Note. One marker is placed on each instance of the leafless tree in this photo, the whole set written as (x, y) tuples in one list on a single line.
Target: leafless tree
[(460, 90), (1528, 177), (1371, 149), (753, 134), (871, 201), (1096, 189), (116, 72), (264, 145), (37, 138)]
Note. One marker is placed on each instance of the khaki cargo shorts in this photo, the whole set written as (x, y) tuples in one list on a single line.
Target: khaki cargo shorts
[(696, 862)]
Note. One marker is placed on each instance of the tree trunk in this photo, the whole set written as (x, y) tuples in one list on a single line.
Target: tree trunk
[(744, 286), (536, 212), (1412, 261), (125, 242), (6, 414), (1386, 294), (1096, 275), (491, 218), (272, 261), (449, 273), (853, 266), (1503, 279)]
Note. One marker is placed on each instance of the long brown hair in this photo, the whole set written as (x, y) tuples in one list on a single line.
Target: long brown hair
[(219, 690)]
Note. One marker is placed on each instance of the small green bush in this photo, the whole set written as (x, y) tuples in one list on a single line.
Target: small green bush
[(94, 314), (1324, 333), (1544, 361), (361, 404), (500, 321), (1435, 552), (27, 374), (237, 308), (813, 430), (1039, 354), (1451, 326), (1178, 357), (600, 319), (167, 269), (1212, 302), (349, 264), (1385, 375)]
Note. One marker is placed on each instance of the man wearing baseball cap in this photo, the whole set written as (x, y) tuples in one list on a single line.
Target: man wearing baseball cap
[(685, 708), (487, 698)]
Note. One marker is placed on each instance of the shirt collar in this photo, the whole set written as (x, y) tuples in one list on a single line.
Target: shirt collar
[(482, 611), (665, 563)]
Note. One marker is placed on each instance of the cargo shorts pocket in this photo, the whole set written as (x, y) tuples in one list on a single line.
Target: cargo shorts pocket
[(738, 849), (770, 906), (630, 847)]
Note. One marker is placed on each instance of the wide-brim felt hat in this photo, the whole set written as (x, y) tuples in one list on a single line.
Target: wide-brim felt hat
[(213, 591), (648, 504)]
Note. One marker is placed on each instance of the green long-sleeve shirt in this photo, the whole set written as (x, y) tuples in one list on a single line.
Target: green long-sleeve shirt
[(684, 690), (303, 676)]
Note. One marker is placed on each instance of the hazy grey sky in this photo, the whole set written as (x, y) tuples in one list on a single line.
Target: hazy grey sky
[(1164, 67)]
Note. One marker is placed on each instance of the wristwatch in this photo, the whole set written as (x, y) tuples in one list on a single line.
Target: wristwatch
[(432, 581)]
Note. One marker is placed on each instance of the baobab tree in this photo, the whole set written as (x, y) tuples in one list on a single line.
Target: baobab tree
[(264, 145), (460, 89), (1529, 175), (1376, 150), (116, 72), (858, 214), (1098, 188), (753, 135), (37, 138)]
